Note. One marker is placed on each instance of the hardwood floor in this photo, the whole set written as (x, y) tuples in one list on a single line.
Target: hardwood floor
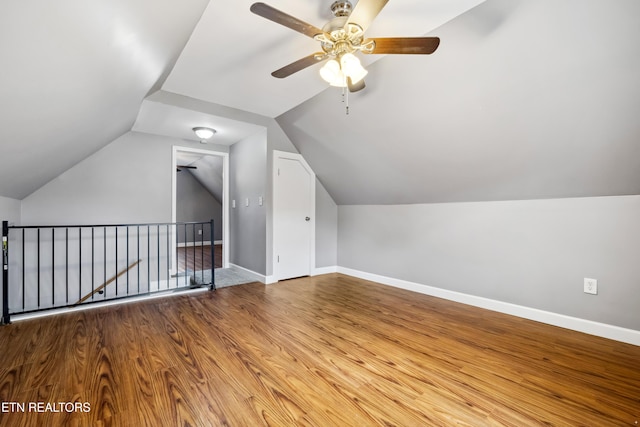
[(324, 351), (198, 258)]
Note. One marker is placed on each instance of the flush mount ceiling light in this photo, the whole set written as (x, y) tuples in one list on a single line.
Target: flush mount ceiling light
[(204, 133)]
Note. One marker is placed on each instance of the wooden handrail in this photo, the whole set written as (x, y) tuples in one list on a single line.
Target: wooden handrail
[(101, 287)]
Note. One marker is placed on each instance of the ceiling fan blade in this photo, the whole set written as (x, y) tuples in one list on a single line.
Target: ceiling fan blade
[(187, 167), (404, 45), (298, 65), (365, 12), (355, 87), (282, 18)]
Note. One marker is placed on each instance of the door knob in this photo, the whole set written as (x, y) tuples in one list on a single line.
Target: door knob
[(306, 218)]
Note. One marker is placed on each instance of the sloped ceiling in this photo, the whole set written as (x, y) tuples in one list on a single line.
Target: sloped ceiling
[(523, 100), (207, 171), (232, 52), (73, 76)]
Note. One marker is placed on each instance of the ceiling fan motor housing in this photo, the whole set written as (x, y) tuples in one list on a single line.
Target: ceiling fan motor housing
[(341, 8)]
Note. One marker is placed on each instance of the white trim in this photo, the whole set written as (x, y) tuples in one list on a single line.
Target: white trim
[(324, 270), (225, 198), (218, 242), (259, 277), (617, 333), (312, 209), (83, 307), (270, 280)]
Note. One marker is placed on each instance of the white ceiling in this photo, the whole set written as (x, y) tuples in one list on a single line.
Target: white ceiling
[(523, 99), (232, 52), (208, 170), (73, 76), (168, 120)]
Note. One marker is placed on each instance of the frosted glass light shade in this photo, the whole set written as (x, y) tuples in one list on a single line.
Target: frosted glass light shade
[(332, 74), (204, 133), (352, 68)]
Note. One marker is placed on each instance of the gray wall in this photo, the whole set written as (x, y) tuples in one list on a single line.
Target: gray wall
[(247, 180), (10, 210), (531, 253), (127, 181), (326, 228), (195, 203), (276, 140)]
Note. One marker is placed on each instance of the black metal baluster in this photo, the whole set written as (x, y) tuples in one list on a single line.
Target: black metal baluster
[(127, 260), (213, 279), (66, 263), (6, 319), (116, 261), (104, 258), (186, 254), (79, 262), (193, 250), (23, 273), (148, 260), (53, 264), (38, 249), (202, 252), (168, 265), (158, 244), (93, 263), (138, 258)]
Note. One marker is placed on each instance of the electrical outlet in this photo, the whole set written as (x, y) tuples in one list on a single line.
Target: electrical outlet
[(199, 232), (590, 286)]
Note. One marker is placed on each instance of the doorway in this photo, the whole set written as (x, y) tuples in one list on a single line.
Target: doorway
[(211, 170)]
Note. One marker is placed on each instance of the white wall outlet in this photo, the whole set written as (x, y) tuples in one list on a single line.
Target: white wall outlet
[(233, 204), (199, 232), (590, 286), (260, 200), (246, 202)]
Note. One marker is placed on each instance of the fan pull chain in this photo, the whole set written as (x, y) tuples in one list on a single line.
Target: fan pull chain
[(345, 99), (347, 103)]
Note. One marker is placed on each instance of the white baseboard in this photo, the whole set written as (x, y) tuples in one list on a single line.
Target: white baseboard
[(217, 242), (617, 333), (270, 280), (324, 270), (108, 303), (259, 277)]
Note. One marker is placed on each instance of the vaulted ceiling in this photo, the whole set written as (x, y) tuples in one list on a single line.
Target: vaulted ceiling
[(523, 99)]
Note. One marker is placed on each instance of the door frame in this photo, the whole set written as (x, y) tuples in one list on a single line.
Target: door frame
[(225, 200), (312, 208)]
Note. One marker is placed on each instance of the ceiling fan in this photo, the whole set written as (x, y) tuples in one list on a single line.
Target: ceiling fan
[(180, 167), (343, 36)]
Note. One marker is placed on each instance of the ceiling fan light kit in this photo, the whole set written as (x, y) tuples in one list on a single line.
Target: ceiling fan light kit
[(340, 38), (337, 73)]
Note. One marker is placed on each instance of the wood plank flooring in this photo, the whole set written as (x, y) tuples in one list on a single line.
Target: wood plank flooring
[(198, 258), (324, 351)]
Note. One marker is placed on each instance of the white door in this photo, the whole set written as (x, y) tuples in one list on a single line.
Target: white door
[(293, 215)]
